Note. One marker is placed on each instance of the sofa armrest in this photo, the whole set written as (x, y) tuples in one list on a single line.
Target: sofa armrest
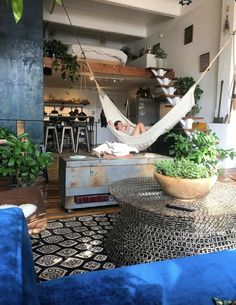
[(17, 274)]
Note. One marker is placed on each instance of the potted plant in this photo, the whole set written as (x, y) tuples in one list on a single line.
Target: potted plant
[(193, 171), (160, 55), (67, 63), (184, 84), (21, 158)]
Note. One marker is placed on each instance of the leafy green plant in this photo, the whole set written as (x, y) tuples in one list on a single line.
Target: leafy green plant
[(67, 63), (184, 84), (182, 168), (22, 158), (17, 8), (201, 148), (195, 156), (160, 53)]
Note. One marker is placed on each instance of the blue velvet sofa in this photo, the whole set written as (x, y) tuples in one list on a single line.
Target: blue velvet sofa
[(189, 280)]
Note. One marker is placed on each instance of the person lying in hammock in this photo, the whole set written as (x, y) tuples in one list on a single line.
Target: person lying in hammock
[(125, 127)]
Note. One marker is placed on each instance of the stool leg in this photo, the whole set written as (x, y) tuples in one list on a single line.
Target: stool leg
[(46, 139), (62, 140), (77, 140), (57, 142), (72, 139), (87, 139)]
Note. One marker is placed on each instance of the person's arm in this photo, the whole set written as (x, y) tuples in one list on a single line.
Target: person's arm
[(127, 127), (111, 123)]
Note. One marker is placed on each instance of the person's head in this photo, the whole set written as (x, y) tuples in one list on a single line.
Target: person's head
[(118, 125)]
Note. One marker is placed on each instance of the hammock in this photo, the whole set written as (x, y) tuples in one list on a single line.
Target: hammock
[(146, 139)]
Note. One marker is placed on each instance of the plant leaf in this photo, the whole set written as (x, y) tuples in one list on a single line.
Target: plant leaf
[(17, 9), (59, 2)]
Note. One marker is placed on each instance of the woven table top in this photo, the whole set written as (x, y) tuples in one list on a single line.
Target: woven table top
[(146, 194)]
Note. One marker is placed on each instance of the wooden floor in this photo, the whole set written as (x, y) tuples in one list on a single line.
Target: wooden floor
[(51, 193)]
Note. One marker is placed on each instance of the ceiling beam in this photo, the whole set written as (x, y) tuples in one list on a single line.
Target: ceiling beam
[(94, 18), (169, 8)]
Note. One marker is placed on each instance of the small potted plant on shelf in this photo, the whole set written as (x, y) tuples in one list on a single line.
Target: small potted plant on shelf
[(193, 170), (160, 55), (21, 158)]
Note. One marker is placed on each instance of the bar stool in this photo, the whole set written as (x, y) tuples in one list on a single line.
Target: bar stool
[(53, 130), (71, 134), (84, 129)]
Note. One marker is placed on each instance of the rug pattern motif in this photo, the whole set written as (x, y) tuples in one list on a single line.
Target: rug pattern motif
[(71, 246)]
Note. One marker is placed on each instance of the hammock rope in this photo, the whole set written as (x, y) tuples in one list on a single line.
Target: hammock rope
[(146, 139)]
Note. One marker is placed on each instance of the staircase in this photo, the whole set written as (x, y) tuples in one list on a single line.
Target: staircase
[(165, 78)]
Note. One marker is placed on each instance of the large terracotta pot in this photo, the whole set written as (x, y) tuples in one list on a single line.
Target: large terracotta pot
[(185, 188)]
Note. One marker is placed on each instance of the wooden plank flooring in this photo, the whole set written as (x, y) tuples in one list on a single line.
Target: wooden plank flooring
[(51, 193)]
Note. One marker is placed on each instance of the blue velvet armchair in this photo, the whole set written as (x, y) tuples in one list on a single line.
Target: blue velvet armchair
[(190, 280)]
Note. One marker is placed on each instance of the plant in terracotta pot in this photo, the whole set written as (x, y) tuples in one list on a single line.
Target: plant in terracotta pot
[(193, 170)]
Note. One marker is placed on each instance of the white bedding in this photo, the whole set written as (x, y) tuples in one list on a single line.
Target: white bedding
[(99, 53)]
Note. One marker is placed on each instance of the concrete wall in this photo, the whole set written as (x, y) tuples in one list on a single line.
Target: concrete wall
[(21, 76), (184, 59)]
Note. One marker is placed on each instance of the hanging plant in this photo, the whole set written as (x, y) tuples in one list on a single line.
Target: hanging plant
[(17, 8), (184, 84), (67, 63)]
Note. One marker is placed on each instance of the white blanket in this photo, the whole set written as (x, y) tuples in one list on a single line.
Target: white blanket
[(116, 149)]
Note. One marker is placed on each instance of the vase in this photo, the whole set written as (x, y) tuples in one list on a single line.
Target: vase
[(187, 189), (160, 62)]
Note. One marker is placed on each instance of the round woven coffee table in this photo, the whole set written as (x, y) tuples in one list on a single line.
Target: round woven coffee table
[(153, 226)]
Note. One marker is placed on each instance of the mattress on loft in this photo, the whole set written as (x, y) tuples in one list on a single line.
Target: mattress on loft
[(97, 53)]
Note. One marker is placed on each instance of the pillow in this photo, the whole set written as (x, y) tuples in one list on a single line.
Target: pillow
[(27, 208)]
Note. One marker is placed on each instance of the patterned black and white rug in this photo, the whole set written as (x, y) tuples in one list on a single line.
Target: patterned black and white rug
[(72, 245)]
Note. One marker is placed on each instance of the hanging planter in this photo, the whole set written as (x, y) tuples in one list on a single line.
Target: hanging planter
[(67, 63)]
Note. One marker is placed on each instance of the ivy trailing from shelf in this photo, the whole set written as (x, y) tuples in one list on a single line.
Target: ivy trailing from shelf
[(184, 84), (67, 63)]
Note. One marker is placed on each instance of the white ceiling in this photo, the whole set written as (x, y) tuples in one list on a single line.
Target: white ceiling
[(121, 17)]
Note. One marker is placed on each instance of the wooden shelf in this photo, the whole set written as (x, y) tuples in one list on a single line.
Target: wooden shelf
[(101, 68), (59, 103), (193, 117)]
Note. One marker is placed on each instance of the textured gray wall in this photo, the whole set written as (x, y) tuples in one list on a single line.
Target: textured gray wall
[(21, 68)]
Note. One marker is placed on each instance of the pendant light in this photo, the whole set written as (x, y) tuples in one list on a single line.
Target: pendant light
[(185, 2)]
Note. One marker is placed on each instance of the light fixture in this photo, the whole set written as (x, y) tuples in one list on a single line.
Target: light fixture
[(185, 2)]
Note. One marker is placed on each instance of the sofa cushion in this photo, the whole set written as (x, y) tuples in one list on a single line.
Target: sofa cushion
[(191, 280), (17, 274)]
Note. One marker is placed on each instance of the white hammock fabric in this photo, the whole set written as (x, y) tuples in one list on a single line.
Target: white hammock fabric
[(147, 138)]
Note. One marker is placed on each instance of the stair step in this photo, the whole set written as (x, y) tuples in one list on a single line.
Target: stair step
[(166, 86), (171, 95), (156, 68)]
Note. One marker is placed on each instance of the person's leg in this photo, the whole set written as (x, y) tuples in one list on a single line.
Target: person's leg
[(138, 129)]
